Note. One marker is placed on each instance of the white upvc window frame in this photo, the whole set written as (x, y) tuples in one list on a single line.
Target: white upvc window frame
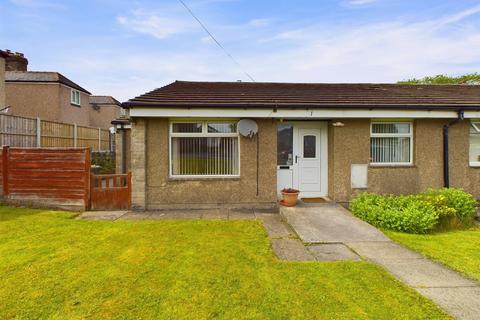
[(392, 135), (73, 95), (475, 124), (203, 134)]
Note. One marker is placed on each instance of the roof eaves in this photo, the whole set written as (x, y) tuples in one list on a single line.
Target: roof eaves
[(132, 104)]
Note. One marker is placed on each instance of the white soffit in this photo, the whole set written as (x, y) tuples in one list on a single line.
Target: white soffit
[(295, 113)]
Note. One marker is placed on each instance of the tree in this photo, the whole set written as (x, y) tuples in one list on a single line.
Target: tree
[(470, 78)]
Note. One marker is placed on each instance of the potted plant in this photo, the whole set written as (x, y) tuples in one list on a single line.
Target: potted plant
[(289, 197)]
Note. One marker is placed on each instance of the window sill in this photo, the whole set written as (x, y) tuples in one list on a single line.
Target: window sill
[(475, 165), (383, 166), (75, 105), (205, 178)]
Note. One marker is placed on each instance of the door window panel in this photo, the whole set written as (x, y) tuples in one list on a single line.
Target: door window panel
[(309, 146)]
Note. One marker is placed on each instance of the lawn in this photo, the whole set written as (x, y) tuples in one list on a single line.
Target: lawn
[(460, 250), (53, 266)]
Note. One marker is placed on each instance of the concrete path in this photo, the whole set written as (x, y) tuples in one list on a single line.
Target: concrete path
[(224, 214), (330, 225)]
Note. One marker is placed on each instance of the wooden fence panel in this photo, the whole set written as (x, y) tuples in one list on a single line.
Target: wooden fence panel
[(18, 131), (24, 132), (87, 137), (105, 140), (50, 177), (58, 135)]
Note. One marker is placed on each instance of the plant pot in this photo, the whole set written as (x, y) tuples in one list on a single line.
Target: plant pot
[(289, 198)]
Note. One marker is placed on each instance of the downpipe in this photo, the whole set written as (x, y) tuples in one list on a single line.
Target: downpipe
[(446, 165)]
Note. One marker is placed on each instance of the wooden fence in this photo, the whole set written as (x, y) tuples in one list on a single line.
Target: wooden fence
[(25, 132), (47, 177)]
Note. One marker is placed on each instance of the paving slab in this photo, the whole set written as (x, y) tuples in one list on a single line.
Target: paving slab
[(135, 216), (101, 215), (241, 214), (332, 252), (275, 227), (462, 302), (330, 224), (291, 250), (215, 214), (383, 250), (175, 215), (425, 273), (259, 211)]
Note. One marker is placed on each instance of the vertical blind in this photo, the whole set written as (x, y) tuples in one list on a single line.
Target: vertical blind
[(207, 149), (474, 143), (391, 143)]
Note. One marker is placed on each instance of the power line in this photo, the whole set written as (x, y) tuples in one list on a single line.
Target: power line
[(216, 41)]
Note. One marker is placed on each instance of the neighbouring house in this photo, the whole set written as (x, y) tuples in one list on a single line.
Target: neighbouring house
[(52, 96), (104, 109), (330, 140), (3, 56)]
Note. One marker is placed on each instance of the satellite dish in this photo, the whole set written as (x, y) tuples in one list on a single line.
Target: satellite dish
[(247, 127)]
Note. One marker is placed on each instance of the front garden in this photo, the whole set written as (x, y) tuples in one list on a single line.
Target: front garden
[(436, 223), (53, 266)]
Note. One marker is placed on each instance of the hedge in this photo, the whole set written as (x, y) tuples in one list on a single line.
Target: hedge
[(432, 210)]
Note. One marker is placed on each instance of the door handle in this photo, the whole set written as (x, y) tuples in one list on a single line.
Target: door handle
[(296, 159)]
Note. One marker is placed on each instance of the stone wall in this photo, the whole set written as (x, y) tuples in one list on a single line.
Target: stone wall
[(138, 159)]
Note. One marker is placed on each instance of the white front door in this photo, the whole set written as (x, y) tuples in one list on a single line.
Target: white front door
[(308, 162), (302, 158)]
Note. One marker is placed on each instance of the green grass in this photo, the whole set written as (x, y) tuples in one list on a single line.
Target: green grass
[(54, 267), (459, 250)]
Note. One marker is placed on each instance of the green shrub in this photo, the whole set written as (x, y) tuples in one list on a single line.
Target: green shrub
[(401, 213), (432, 210), (462, 202)]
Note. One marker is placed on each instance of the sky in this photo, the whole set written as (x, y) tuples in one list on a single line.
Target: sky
[(126, 48)]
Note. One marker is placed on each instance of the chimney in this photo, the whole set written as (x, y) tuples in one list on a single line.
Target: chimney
[(15, 61)]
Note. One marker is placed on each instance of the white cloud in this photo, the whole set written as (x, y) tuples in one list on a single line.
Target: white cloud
[(359, 2), (154, 24), (459, 16), (259, 22)]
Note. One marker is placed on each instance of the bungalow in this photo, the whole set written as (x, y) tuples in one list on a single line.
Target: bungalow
[(204, 144)]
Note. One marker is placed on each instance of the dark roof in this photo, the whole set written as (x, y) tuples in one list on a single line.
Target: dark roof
[(187, 94), (41, 76), (103, 100), (3, 54)]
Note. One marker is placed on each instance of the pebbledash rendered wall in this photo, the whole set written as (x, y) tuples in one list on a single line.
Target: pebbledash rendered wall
[(347, 145), (154, 189), (350, 144)]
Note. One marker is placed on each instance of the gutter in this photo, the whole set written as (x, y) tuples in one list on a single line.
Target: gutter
[(446, 165), (307, 106)]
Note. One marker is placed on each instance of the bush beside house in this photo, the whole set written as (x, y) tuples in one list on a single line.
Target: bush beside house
[(432, 210)]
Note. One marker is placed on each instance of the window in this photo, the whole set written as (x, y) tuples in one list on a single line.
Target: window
[(475, 144), (75, 97), (204, 148), (284, 144), (391, 143)]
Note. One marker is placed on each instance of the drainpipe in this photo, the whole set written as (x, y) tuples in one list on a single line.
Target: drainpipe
[(124, 149), (446, 173)]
